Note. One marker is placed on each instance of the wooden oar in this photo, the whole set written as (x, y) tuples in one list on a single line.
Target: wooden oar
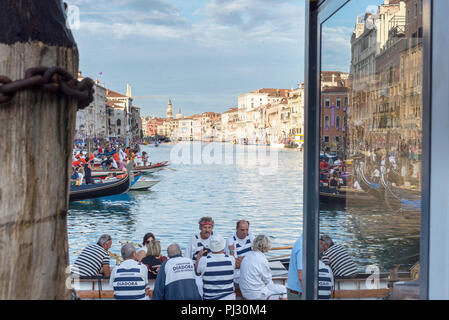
[(171, 169), (282, 248)]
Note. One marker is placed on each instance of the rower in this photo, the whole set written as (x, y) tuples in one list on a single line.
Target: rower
[(200, 242), (239, 244)]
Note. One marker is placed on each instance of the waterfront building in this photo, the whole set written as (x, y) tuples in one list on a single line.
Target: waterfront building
[(296, 109), (91, 121), (145, 126), (122, 105), (116, 120), (136, 123), (252, 113), (229, 124), (185, 129), (334, 102)]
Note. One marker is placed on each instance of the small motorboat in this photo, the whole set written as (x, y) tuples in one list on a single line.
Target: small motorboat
[(141, 183)]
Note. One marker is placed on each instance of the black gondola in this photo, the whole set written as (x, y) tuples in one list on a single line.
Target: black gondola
[(374, 189), (401, 200), (91, 191)]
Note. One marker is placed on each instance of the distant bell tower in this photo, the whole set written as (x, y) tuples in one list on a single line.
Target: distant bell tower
[(169, 110)]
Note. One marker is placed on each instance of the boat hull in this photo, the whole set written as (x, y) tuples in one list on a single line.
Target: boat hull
[(92, 191)]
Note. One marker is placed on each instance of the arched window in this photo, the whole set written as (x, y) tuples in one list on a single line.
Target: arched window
[(338, 122), (119, 122), (326, 121)]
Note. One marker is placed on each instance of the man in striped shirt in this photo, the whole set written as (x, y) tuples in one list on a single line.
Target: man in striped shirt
[(325, 281), (239, 244), (337, 258), (94, 259), (217, 270)]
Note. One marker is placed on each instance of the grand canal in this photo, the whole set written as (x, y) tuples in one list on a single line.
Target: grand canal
[(231, 190)]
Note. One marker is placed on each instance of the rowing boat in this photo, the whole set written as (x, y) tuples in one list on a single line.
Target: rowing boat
[(91, 191), (143, 184)]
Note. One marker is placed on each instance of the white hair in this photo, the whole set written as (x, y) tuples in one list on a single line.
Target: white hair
[(261, 243)]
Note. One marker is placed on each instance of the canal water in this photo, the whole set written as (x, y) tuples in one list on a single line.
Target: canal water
[(232, 182)]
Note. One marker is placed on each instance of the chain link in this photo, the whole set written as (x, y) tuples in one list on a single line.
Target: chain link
[(54, 80)]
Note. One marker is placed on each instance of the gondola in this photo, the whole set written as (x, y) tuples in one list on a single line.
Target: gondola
[(151, 168), (91, 191), (371, 187), (344, 195), (398, 199)]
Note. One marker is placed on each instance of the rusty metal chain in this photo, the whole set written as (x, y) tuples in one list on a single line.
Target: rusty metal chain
[(54, 80)]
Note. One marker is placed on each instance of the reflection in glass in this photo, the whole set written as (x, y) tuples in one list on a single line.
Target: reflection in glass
[(371, 145)]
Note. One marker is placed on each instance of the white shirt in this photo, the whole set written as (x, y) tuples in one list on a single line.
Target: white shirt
[(255, 273), (127, 286), (357, 185)]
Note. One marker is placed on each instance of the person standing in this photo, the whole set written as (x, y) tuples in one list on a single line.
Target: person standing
[(217, 271), (94, 259), (239, 244), (176, 278), (294, 280), (88, 171), (199, 243), (130, 278), (255, 275)]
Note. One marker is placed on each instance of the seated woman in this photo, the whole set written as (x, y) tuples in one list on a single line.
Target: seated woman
[(153, 260), (142, 252), (255, 275)]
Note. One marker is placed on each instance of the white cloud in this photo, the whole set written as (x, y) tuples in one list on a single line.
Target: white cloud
[(222, 22)]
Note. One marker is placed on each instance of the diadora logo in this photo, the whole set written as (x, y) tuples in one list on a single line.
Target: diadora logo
[(181, 267)]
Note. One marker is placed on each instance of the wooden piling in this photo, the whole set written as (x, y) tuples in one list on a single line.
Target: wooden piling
[(36, 136)]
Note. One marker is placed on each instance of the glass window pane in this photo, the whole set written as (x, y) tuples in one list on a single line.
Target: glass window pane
[(370, 164)]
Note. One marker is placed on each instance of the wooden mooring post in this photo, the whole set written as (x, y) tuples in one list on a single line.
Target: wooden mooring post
[(36, 136)]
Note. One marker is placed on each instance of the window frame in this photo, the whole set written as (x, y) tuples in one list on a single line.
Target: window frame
[(318, 12)]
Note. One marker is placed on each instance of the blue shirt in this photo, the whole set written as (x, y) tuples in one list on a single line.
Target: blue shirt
[(294, 266)]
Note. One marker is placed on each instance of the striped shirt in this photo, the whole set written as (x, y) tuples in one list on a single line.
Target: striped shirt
[(129, 280), (340, 262), (196, 245), (217, 271), (325, 281), (241, 246), (90, 261)]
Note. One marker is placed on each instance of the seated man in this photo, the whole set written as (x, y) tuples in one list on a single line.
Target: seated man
[(130, 278), (325, 281), (239, 244), (176, 278), (94, 259), (217, 270), (337, 258), (255, 275)]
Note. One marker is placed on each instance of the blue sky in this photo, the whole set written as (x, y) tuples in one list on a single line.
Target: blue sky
[(199, 53)]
